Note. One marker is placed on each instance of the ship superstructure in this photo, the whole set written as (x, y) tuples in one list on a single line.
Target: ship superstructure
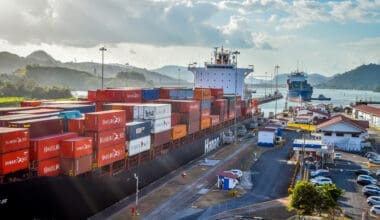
[(221, 72), (298, 87)]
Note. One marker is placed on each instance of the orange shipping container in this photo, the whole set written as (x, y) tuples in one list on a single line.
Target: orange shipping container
[(30, 103), (109, 155), (14, 161), (178, 131), (202, 93), (215, 119), (49, 167), (104, 120), (205, 122), (76, 166), (12, 139), (76, 125), (76, 147)]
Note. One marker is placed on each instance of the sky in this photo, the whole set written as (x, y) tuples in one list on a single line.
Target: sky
[(325, 37)]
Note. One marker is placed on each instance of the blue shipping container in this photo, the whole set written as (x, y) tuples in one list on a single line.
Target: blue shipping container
[(181, 94), (205, 104), (81, 108), (150, 94), (137, 129)]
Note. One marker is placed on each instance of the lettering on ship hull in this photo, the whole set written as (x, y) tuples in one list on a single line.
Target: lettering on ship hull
[(211, 144)]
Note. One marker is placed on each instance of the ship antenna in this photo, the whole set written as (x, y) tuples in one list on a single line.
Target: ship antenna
[(215, 54)]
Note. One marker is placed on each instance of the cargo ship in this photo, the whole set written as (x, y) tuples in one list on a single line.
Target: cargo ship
[(70, 160), (299, 89)]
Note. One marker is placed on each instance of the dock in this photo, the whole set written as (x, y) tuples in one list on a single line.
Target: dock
[(270, 98)]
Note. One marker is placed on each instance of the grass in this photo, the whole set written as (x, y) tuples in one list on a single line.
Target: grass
[(4, 100)]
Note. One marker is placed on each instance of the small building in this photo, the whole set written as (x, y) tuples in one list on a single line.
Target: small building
[(367, 112), (343, 133), (227, 180), (319, 114), (314, 147), (267, 137)]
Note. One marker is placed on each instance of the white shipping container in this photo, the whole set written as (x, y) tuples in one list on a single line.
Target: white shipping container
[(156, 111), (160, 125), (138, 145), (266, 138)]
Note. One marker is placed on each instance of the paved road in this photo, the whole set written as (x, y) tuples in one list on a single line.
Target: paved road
[(185, 197), (271, 176)]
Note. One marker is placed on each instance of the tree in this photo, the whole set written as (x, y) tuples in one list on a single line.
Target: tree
[(329, 195), (304, 198)]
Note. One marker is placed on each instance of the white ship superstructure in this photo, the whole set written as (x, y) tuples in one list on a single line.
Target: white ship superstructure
[(222, 72)]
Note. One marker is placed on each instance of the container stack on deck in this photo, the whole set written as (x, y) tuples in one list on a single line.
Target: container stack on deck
[(204, 96)]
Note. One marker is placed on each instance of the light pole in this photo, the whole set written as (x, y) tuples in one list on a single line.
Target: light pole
[(137, 190), (235, 53), (303, 152), (276, 91), (102, 49)]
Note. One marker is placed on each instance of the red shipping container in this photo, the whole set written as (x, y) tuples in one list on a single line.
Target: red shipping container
[(127, 107), (76, 125), (5, 110), (76, 147), (164, 93), (193, 127), (40, 127), (187, 118), (215, 119), (6, 119), (103, 139), (91, 95), (37, 111), (76, 166), (12, 139), (48, 146), (109, 155), (30, 103), (119, 95), (216, 92), (49, 167), (161, 138), (99, 106), (175, 118), (14, 161), (205, 112), (104, 120), (187, 105)]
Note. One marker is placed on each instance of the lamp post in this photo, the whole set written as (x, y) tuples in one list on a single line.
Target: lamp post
[(302, 153), (276, 91), (102, 49), (235, 53), (137, 190)]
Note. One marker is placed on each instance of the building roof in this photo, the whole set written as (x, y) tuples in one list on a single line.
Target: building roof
[(362, 125), (321, 112), (268, 129), (228, 175), (368, 109)]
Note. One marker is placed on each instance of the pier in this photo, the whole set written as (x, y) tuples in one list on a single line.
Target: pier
[(269, 98)]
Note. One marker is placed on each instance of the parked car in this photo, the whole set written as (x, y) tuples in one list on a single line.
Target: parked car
[(374, 160), (338, 156), (363, 172), (321, 180), (366, 179), (371, 154), (320, 172), (373, 200), (377, 173), (375, 209), (241, 131), (370, 187), (237, 172), (371, 192)]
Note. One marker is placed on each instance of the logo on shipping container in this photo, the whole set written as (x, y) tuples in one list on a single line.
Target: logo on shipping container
[(211, 144), (51, 168), (111, 155), (133, 95), (51, 148), (16, 161), (112, 137), (84, 147), (114, 120), (16, 140)]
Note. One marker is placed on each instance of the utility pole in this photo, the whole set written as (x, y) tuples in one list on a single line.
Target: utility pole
[(236, 75), (137, 190), (276, 91), (102, 49)]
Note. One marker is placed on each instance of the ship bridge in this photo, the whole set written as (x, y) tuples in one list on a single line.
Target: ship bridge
[(221, 72)]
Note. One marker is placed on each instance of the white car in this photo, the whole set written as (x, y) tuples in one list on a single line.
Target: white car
[(370, 187), (338, 156), (377, 172), (237, 172), (321, 181), (375, 209), (320, 172), (373, 200), (365, 180)]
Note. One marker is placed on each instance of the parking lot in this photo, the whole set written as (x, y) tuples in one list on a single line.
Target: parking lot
[(353, 203)]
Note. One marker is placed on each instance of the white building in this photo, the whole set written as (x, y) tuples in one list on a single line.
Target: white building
[(343, 133), (266, 137), (366, 112)]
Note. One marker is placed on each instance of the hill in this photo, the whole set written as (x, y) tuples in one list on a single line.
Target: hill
[(314, 79), (172, 71), (366, 77)]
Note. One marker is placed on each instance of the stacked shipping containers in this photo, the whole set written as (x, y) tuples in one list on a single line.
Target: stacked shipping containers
[(204, 96), (76, 156), (14, 150), (107, 130)]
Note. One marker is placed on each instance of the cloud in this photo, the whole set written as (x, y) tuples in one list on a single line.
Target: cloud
[(131, 51)]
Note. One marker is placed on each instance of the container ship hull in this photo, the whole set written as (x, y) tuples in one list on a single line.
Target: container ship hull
[(65, 197), (300, 96)]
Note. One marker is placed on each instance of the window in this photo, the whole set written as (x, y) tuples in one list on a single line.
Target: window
[(355, 135), (327, 133), (339, 134)]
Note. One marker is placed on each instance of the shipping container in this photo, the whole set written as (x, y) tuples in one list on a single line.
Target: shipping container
[(30, 103), (5, 110), (76, 166), (178, 131), (40, 127), (202, 93), (48, 146), (119, 95), (139, 145), (205, 122), (67, 102), (175, 118), (160, 125), (6, 119), (184, 106), (150, 94), (152, 111), (73, 107), (205, 112), (48, 167), (193, 127), (37, 111), (176, 93), (13, 139), (215, 119), (160, 138), (91, 95), (127, 107), (76, 147), (137, 129), (205, 104), (104, 120), (14, 161), (103, 139), (76, 125), (216, 92), (99, 106), (187, 118), (108, 155)]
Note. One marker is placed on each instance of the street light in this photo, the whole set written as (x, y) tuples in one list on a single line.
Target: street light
[(102, 49), (276, 75), (235, 53), (137, 189), (303, 152)]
